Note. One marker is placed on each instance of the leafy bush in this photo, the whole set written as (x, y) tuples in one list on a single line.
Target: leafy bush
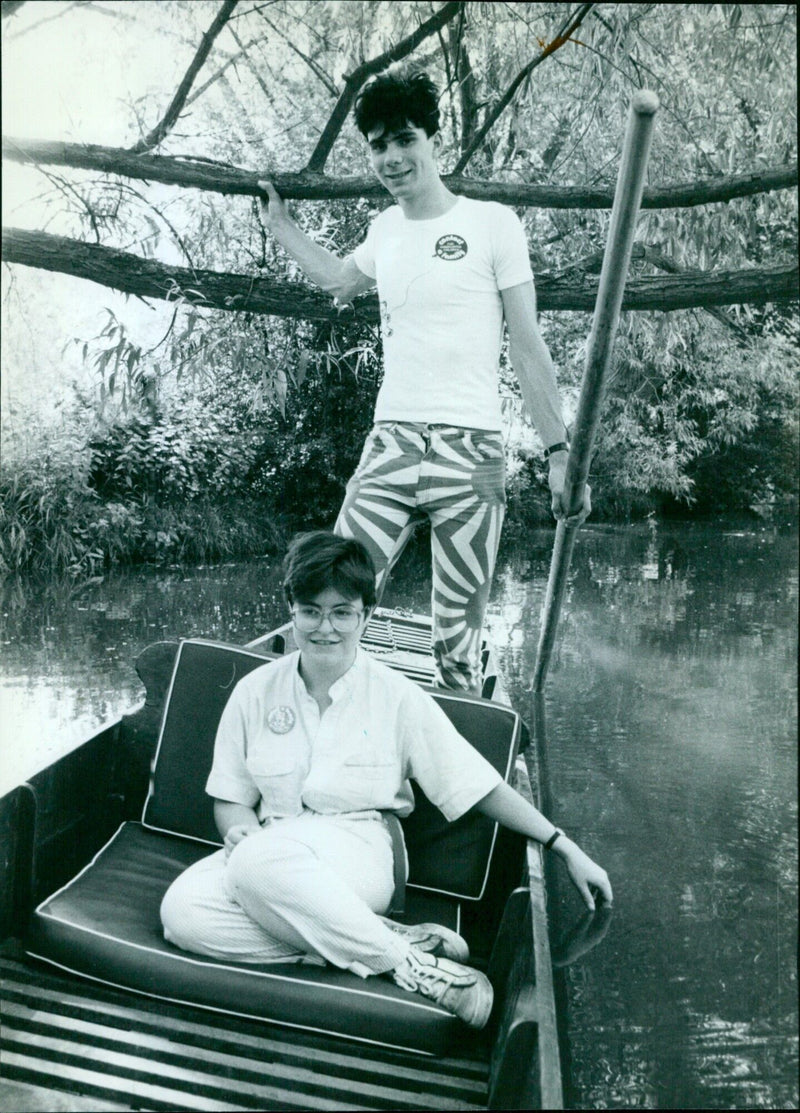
[(175, 456), (311, 449), (205, 531), (46, 513), (152, 488), (749, 461), (697, 420)]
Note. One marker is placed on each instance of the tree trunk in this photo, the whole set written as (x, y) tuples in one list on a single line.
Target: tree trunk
[(252, 294)]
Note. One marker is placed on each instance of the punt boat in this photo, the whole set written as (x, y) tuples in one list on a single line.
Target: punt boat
[(100, 1013)]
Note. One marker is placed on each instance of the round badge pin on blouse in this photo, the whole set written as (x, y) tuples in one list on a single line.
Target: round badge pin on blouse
[(280, 720)]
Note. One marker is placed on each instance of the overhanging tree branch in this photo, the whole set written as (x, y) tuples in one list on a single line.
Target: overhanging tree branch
[(354, 81), (664, 263), (306, 186), (153, 138), (562, 36), (149, 278), (593, 264)]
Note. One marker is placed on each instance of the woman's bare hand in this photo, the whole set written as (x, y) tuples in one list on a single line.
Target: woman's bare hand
[(235, 835), (586, 875)]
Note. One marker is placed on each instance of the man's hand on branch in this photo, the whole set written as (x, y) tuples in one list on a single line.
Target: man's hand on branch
[(273, 208), (558, 472)]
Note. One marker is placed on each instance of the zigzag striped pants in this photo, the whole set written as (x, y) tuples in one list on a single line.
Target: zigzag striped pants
[(456, 478)]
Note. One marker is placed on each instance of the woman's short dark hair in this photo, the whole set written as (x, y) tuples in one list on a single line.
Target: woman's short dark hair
[(395, 97), (319, 560)]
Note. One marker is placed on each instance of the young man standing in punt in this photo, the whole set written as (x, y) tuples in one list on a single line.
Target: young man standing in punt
[(449, 271)]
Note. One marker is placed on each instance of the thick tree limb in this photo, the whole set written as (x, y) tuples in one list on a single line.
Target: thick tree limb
[(562, 36), (354, 81), (153, 138), (196, 174), (8, 7), (148, 278), (593, 264), (664, 263), (690, 290)]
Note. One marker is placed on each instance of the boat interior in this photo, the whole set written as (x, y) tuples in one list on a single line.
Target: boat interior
[(95, 841)]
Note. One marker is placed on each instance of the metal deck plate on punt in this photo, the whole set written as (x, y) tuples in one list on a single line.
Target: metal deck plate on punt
[(402, 640)]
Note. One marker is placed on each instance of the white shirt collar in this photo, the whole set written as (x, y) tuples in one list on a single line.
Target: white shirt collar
[(346, 681)]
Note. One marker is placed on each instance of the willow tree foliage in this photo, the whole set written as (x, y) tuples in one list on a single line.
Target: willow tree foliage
[(534, 101)]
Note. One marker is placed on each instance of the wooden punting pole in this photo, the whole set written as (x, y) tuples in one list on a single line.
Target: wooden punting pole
[(627, 198)]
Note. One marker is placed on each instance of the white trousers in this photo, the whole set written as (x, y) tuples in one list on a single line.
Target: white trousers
[(306, 886)]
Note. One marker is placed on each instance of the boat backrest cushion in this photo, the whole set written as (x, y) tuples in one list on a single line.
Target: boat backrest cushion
[(454, 857), (203, 677), (450, 858)]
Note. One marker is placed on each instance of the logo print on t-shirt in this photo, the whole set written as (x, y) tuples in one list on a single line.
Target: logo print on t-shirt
[(451, 247)]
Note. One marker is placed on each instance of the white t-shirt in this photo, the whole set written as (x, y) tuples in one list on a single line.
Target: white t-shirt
[(275, 752), (439, 284)]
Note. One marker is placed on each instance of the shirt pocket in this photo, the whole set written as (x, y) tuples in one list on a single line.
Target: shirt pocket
[(276, 778), (363, 782), (367, 767)]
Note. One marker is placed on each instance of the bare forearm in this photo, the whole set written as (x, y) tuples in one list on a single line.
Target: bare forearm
[(536, 373), (532, 363), (334, 275), (228, 814), (508, 808), (318, 264)]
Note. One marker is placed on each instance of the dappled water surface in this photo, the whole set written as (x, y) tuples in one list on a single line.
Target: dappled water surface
[(671, 750), (670, 745), (66, 665)]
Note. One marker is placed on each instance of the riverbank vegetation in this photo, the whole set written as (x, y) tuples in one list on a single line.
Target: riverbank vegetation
[(242, 422)]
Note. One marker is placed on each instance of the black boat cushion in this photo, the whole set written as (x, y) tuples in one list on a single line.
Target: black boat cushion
[(450, 858), (105, 925)]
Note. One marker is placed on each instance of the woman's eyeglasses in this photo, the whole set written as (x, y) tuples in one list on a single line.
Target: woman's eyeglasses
[(344, 619)]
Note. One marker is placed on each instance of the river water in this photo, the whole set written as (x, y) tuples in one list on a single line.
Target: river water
[(670, 745)]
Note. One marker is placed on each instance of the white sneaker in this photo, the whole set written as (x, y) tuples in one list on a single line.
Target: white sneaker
[(433, 939), (463, 991)]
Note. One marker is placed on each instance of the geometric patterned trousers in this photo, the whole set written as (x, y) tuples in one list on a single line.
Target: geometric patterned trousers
[(455, 477)]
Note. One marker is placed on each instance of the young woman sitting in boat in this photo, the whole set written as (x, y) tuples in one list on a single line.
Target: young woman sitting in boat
[(311, 766)]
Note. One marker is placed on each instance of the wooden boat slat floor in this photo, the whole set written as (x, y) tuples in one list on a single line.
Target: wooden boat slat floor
[(109, 1050)]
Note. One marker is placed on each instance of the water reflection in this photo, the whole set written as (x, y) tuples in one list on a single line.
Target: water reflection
[(671, 715), (585, 934), (68, 652), (671, 725)]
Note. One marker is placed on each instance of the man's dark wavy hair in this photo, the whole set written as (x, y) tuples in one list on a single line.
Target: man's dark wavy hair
[(318, 560), (395, 97)]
